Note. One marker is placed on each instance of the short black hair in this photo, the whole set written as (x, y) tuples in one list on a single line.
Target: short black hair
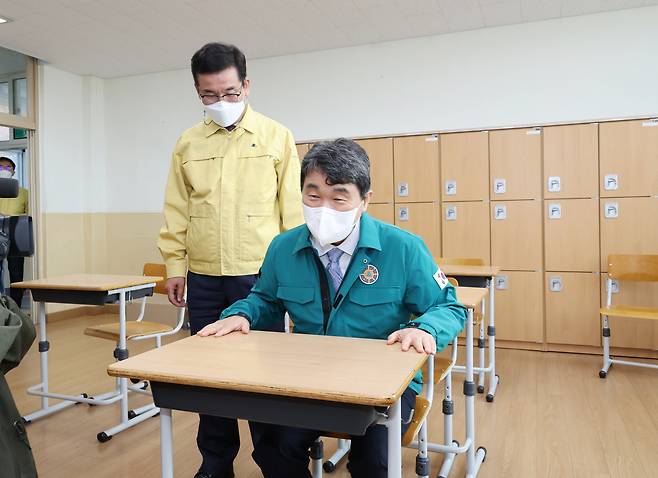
[(343, 161), (215, 57), (5, 158)]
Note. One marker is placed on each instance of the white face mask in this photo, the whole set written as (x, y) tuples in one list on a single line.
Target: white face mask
[(6, 174), (224, 113), (328, 225)]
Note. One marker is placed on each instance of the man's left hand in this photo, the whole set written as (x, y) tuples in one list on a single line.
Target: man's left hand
[(416, 338)]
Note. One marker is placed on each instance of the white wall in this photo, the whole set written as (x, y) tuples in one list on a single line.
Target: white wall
[(71, 141), (580, 68)]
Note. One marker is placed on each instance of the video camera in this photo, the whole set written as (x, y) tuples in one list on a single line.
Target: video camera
[(16, 232)]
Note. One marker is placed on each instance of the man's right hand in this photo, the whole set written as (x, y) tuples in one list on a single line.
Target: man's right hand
[(233, 323), (176, 291)]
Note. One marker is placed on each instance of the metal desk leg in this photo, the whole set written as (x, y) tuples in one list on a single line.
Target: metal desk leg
[(394, 426), (493, 377), (121, 353), (42, 388), (166, 445), (482, 373), (473, 458)]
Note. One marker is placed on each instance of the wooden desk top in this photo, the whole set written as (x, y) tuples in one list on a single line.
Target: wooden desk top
[(87, 282), (336, 369), (471, 297), (452, 270)]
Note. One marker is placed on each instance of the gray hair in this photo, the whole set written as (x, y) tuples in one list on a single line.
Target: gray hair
[(343, 161)]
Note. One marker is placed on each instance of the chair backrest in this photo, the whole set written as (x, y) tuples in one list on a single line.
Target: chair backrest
[(453, 281), (460, 261), (158, 270), (633, 267)]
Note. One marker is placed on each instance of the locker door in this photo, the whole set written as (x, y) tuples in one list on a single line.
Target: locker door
[(628, 226), (519, 306), (571, 161), (380, 152), (516, 235), (465, 230), (515, 157), (465, 166), (423, 220), (571, 235), (629, 155), (416, 168), (632, 333), (302, 149), (572, 308), (383, 212)]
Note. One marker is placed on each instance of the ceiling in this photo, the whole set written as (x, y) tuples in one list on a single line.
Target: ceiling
[(112, 38)]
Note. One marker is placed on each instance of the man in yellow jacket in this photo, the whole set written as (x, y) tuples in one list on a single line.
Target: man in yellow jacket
[(18, 206), (233, 186)]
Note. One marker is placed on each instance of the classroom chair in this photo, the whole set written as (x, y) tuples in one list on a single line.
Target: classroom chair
[(140, 329), (631, 268)]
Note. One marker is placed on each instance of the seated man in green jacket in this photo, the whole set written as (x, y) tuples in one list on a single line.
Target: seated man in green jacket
[(344, 273)]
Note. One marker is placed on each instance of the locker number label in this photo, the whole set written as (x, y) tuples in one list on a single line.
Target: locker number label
[(403, 214), (554, 184), (403, 189), (611, 182), (500, 186), (501, 283), (500, 213), (555, 284), (451, 213), (611, 210), (451, 188), (554, 211)]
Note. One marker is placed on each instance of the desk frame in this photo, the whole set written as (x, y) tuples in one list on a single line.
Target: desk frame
[(120, 393)]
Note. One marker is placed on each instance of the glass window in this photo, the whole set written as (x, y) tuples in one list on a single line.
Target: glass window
[(20, 97), (4, 97)]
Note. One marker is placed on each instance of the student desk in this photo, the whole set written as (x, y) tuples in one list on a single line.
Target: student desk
[(480, 276), (336, 384), (87, 289)]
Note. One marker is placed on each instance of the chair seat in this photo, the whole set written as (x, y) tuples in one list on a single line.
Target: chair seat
[(421, 409), (133, 329), (631, 311)]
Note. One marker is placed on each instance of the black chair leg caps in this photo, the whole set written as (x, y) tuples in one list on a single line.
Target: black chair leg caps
[(480, 388), (329, 466), (490, 398), (603, 374), (131, 414), (103, 437)]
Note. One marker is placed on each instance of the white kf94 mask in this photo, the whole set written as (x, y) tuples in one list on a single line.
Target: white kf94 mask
[(328, 225)]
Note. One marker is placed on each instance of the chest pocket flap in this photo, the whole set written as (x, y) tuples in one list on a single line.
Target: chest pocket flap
[(300, 295), (375, 295)]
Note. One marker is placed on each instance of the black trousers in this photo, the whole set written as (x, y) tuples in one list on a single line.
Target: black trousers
[(218, 438), (15, 265), (283, 452)]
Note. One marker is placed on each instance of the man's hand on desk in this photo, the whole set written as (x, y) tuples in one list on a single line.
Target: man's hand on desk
[(176, 291), (233, 323), (418, 339)]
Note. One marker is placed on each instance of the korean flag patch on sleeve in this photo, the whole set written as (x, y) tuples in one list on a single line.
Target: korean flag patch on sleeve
[(440, 278)]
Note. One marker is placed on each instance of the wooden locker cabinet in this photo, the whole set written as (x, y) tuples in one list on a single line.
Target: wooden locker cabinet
[(515, 164), (380, 152), (423, 220), (571, 167), (465, 166), (519, 306), (629, 158), (302, 149), (465, 230), (571, 235), (383, 212), (632, 333), (516, 235), (628, 226), (572, 308), (416, 168)]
